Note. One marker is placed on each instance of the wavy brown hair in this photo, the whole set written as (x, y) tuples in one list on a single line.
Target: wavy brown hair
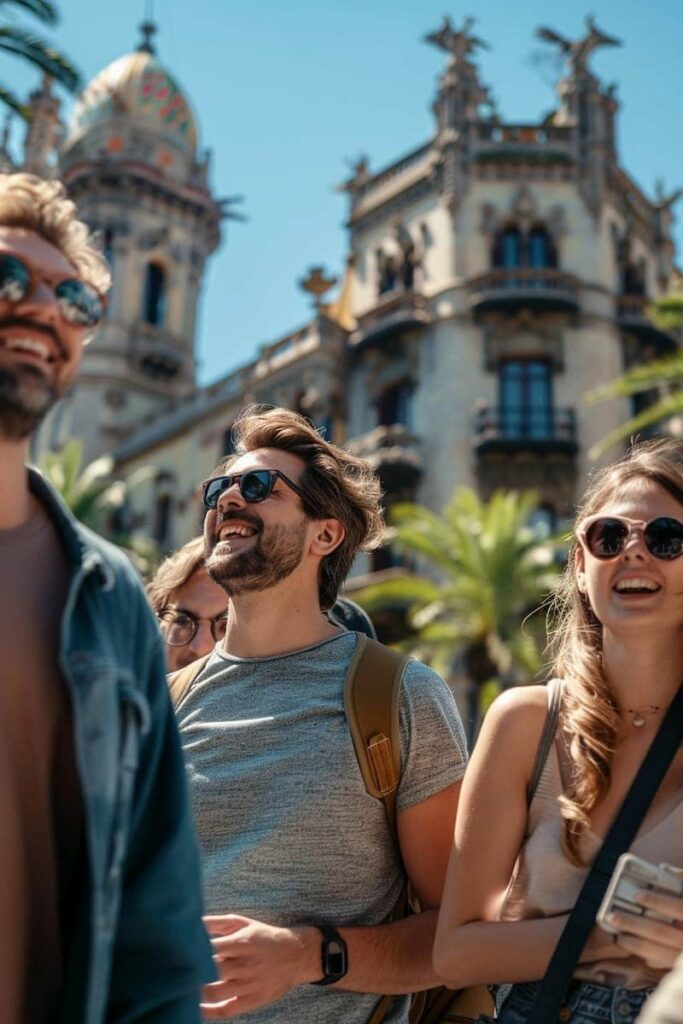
[(590, 712), (335, 485), (29, 202)]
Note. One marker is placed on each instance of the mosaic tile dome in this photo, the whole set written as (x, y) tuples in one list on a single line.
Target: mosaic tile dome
[(138, 85)]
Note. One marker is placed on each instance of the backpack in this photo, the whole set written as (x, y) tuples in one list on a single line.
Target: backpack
[(371, 700)]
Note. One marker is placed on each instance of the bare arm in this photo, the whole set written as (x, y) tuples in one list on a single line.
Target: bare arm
[(471, 946), (259, 963)]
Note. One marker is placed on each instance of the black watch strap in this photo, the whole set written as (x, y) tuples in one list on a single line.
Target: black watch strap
[(333, 956)]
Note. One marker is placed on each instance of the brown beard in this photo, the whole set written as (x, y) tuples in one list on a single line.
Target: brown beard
[(26, 397), (275, 555)]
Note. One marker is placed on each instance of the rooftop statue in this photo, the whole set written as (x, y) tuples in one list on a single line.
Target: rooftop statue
[(579, 51), (458, 42)]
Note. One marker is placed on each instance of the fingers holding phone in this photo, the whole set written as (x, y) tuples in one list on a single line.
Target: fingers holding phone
[(643, 907)]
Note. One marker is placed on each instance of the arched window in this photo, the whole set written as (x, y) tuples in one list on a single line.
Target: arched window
[(155, 295), (507, 249), (541, 251)]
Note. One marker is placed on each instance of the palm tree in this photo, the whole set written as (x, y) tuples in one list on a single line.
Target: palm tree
[(487, 569), (662, 376), (95, 498), (24, 44)]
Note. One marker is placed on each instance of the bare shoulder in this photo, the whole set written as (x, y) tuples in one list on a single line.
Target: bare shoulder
[(516, 718)]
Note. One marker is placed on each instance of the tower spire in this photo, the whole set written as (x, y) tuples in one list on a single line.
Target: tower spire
[(148, 29)]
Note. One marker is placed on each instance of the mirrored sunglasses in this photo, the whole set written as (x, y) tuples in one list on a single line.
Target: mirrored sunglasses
[(606, 536), (255, 485), (79, 302)]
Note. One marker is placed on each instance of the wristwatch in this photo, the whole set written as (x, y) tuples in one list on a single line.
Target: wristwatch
[(333, 955)]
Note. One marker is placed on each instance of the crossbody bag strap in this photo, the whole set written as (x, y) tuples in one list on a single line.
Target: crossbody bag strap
[(554, 690), (623, 831), (179, 682)]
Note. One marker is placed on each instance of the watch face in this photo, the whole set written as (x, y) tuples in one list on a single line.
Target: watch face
[(336, 960)]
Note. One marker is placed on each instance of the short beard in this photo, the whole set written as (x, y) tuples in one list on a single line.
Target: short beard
[(25, 399), (275, 556)]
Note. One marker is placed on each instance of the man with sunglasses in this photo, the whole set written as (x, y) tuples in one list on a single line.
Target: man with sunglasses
[(99, 883), (301, 871), (192, 609)]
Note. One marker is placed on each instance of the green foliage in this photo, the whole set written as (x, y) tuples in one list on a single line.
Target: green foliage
[(36, 51), (94, 497), (486, 570), (662, 375)]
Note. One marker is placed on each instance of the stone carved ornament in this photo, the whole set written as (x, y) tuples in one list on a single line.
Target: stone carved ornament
[(523, 211)]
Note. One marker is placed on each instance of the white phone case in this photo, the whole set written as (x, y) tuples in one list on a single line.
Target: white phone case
[(631, 875)]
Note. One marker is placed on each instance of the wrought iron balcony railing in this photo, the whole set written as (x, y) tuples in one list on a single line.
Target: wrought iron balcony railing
[(524, 286)]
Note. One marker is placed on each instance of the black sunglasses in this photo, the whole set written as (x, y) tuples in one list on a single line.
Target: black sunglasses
[(79, 302), (255, 485), (606, 536)]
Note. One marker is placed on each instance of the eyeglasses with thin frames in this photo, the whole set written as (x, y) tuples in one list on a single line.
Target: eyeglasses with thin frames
[(180, 627)]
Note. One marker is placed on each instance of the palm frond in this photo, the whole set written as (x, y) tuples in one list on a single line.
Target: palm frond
[(670, 405), (641, 378), (40, 9), (12, 101), (41, 54)]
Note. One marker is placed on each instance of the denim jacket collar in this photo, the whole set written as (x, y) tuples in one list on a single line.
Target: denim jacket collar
[(80, 553)]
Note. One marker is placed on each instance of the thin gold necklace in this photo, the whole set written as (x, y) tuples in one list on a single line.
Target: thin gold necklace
[(638, 719)]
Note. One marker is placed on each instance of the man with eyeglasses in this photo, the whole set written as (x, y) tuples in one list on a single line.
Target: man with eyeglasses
[(99, 878), (301, 871), (191, 608)]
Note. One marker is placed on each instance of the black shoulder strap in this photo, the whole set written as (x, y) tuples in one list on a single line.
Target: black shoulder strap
[(620, 836), (554, 694)]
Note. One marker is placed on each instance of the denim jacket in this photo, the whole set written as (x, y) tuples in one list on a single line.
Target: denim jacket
[(138, 948)]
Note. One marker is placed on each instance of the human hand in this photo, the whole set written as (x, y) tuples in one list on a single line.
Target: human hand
[(655, 942), (257, 963), (601, 945)]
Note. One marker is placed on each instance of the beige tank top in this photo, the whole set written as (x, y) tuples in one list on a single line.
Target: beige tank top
[(545, 883)]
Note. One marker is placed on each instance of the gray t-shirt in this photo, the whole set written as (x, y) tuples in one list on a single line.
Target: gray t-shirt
[(288, 833)]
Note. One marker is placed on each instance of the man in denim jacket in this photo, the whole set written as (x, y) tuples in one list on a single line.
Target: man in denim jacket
[(99, 880)]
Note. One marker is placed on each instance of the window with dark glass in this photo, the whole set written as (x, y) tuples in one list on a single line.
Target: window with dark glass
[(540, 248), (155, 295), (526, 399), (507, 249), (162, 519), (395, 405)]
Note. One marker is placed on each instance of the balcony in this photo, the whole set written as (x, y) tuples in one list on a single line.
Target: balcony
[(509, 290), (154, 354), (551, 430), (632, 316), (394, 453), (395, 311), (522, 142)]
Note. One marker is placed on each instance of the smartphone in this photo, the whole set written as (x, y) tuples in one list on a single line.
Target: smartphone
[(631, 875)]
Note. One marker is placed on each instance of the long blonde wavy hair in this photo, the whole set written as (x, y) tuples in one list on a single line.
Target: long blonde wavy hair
[(590, 712)]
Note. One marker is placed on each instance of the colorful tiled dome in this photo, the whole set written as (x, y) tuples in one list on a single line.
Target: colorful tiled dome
[(140, 86)]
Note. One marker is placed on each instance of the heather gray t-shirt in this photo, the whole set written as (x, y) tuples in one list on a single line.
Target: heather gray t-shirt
[(288, 833)]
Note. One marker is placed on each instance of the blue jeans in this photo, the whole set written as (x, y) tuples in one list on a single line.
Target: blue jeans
[(585, 1003)]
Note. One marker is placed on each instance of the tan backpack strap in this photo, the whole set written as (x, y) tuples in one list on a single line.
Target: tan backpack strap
[(371, 699), (554, 693), (179, 682)]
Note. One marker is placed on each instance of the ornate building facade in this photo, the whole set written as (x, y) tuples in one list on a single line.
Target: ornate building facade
[(494, 275)]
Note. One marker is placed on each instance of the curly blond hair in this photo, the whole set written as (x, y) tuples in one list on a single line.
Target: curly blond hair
[(335, 485), (29, 202), (590, 712)]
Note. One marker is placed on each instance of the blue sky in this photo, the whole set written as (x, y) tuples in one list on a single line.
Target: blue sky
[(286, 92)]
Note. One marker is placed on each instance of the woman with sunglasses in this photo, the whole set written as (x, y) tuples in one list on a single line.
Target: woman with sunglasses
[(517, 867)]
